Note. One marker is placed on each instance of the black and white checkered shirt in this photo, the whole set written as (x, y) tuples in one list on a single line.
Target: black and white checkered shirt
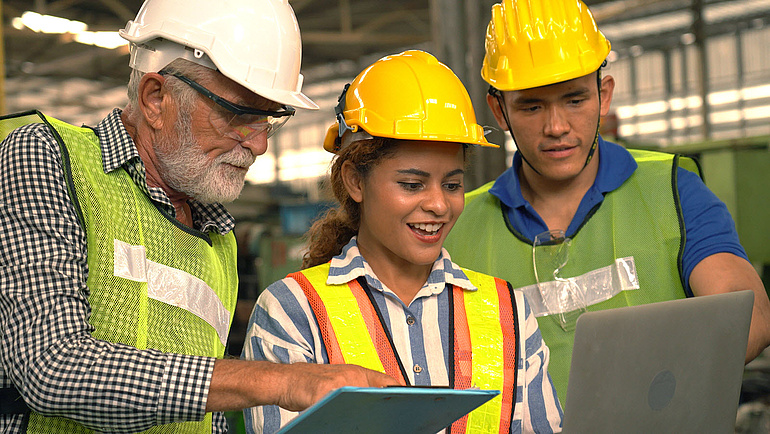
[(47, 350)]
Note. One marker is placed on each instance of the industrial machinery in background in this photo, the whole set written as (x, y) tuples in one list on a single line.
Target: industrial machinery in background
[(271, 221)]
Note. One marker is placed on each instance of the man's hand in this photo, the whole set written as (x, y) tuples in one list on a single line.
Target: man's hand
[(239, 384), (309, 382)]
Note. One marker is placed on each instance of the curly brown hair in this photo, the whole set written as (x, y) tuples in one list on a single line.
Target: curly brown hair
[(329, 234)]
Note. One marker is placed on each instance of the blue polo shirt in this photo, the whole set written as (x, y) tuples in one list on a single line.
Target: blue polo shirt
[(708, 224)]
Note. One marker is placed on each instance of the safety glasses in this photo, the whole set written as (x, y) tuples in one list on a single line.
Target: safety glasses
[(550, 254), (235, 121)]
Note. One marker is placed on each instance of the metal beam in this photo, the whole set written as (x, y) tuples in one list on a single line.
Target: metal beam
[(346, 16), (609, 11), (299, 5), (386, 19), (740, 76), (88, 58), (487, 163), (361, 38), (52, 8), (449, 34), (699, 30), (669, 90), (122, 11), (458, 29)]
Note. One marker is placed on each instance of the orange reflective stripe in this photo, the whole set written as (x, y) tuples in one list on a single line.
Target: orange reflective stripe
[(327, 331), (463, 356), (463, 372), (312, 281), (483, 313), (377, 332), (508, 321)]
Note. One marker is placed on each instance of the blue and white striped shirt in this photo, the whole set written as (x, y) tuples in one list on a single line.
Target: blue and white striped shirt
[(283, 329)]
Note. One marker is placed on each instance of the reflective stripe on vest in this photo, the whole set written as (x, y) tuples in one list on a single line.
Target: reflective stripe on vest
[(485, 339), (153, 282), (347, 308), (652, 235)]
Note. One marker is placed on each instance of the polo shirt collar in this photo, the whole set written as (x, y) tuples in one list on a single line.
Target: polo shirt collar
[(616, 165), (350, 265)]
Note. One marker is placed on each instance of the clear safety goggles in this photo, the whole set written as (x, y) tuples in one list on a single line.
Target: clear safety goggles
[(235, 121), (550, 253)]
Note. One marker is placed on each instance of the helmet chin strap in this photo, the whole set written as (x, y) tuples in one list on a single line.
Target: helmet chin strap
[(594, 145), (499, 97)]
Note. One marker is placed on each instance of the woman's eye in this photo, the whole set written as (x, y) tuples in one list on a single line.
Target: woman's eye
[(453, 186), (410, 186)]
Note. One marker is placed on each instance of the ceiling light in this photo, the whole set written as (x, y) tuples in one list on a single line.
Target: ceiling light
[(56, 25), (101, 39), (48, 24)]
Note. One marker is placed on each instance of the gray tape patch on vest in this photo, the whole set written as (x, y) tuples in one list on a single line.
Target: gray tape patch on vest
[(593, 287)]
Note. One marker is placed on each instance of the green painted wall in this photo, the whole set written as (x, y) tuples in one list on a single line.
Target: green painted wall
[(740, 177)]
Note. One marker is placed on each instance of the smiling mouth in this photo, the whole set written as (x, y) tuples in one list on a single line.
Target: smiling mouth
[(427, 228)]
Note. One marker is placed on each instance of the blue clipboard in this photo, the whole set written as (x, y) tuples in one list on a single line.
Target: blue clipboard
[(375, 410)]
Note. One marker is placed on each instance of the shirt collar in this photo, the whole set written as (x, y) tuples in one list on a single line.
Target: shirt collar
[(616, 165), (118, 150), (117, 145), (349, 265)]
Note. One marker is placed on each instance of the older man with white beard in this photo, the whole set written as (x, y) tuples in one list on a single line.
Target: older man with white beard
[(118, 278), (202, 153)]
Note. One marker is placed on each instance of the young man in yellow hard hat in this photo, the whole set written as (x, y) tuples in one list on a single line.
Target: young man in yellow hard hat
[(598, 226)]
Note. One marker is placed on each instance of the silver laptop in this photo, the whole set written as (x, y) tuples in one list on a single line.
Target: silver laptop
[(667, 367)]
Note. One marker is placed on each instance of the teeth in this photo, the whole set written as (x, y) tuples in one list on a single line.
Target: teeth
[(428, 227)]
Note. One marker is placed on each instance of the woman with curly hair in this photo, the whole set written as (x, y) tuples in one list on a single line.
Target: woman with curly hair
[(377, 288)]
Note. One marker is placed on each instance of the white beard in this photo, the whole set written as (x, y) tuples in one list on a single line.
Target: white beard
[(187, 169)]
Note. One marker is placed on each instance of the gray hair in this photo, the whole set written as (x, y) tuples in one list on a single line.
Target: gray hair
[(183, 94)]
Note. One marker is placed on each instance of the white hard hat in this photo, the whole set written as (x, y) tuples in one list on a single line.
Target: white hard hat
[(255, 43)]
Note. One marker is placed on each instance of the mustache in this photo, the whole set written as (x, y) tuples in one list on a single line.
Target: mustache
[(238, 156)]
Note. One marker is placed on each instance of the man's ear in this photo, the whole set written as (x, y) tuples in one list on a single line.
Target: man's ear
[(353, 181), (151, 95), (494, 105), (608, 86)]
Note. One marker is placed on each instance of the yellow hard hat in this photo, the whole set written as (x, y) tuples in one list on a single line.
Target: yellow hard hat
[(407, 96), (532, 43)]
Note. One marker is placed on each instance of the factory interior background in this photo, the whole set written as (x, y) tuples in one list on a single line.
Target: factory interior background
[(692, 77)]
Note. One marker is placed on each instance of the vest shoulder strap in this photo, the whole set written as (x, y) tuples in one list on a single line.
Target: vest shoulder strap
[(343, 312), (472, 195), (685, 162), (477, 326)]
